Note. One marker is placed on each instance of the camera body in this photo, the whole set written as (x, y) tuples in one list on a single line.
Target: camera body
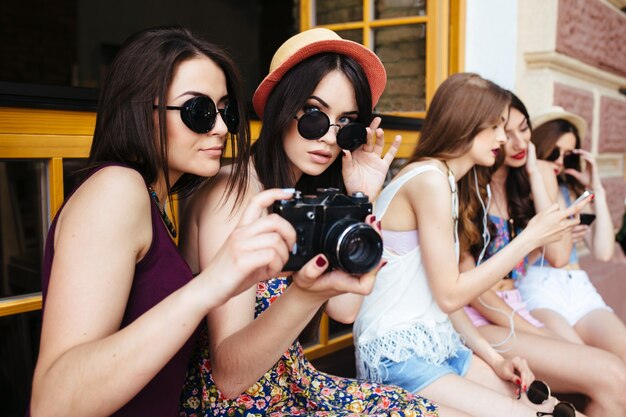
[(332, 223)]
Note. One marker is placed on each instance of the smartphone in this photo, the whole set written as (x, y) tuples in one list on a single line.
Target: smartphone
[(587, 218), (584, 195)]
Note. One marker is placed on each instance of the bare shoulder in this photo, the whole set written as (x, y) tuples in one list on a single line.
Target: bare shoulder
[(114, 201), (429, 183)]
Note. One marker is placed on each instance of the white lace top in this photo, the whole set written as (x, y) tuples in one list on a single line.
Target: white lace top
[(400, 318)]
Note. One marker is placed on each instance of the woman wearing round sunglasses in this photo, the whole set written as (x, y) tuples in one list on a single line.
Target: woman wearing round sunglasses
[(564, 298), (406, 330), (120, 306), (520, 185), (315, 105)]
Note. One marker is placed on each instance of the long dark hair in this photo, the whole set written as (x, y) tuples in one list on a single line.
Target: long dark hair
[(286, 100), (545, 138), (517, 185), (463, 106), (141, 74)]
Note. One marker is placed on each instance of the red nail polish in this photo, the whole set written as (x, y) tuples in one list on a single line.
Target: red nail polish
[(373, 219), (525, 388), (383, 264), (380, 227), (320, 261), (518, 381)]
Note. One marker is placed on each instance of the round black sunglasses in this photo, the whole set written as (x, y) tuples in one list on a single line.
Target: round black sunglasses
[(315, 124), (199, 114), (538, 392)]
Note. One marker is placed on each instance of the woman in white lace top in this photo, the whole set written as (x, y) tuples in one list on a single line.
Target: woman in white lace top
[(403, 333)]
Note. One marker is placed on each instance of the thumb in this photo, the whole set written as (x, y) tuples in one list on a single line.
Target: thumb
[(260, 203), (312, 270)]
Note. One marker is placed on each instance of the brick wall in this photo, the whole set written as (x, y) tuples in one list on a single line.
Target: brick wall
[(577, 101), (594, 33)]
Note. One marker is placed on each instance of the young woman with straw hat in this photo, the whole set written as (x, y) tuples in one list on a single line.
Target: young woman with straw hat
[(315, 104)]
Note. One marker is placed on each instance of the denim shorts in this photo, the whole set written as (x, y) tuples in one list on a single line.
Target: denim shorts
[(416, 373)]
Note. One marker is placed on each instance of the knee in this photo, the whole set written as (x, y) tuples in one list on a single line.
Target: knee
[(613, 375)]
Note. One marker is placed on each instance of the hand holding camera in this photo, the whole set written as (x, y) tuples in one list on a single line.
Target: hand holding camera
[(332, 224)]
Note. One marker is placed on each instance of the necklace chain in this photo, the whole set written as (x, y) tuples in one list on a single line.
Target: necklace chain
[(168, 223)]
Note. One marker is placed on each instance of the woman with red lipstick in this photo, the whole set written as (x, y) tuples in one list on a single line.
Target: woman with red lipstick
[(520, 186), (406, 330), (564, 299), (121, 306), (315, 105)]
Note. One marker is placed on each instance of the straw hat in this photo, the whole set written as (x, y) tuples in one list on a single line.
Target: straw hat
[(312, 42), (556, 113)]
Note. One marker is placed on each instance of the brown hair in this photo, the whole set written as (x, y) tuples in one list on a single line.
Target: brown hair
[(464, 105), (545, 137)]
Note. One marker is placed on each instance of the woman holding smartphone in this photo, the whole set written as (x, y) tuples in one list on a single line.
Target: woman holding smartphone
[(521, 185), (406, 330), (564, 299)]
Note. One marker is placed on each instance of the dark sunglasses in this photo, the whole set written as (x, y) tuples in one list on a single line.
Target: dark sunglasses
[(199, 114), (314, 125), (538, 392), (569, 158)]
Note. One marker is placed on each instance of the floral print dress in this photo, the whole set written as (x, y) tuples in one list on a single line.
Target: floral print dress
[(293, 387)]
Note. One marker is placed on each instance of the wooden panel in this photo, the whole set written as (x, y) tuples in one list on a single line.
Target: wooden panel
[(16, 305), (43, 146), (46, 122), (55, 174)]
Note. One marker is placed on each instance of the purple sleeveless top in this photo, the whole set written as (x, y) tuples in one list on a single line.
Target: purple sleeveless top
[(161, 272)]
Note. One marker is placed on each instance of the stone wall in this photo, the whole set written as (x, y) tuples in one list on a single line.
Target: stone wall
[(592, 32), (577, 59)]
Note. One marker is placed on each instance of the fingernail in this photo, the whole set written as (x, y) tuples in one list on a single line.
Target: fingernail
[(380, 227), (383, 264), (288, 190), (373, 219), (320, 261), (518, 382), (525, 388)]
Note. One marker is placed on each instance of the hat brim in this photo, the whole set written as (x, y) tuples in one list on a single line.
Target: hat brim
[(578, 122), (371, 64)]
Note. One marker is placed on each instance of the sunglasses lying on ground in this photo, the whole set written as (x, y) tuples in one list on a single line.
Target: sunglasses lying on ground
[(315, 124), (199, 114), (538, 392)]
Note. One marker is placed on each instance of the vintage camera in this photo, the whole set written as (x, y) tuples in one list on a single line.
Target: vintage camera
[(332, 223)]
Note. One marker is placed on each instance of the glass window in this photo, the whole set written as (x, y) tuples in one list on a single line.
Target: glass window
[(23, 214), (332, 11), (403, 52), (19, 345), (386, 9)]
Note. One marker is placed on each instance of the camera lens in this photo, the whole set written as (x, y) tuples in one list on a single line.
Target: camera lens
[(353, 246)]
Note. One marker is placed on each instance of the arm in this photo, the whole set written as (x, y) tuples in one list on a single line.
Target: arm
[(237, 362), (429, 196), (602, 242), (86, 355), (545, 191), (514, 369)]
